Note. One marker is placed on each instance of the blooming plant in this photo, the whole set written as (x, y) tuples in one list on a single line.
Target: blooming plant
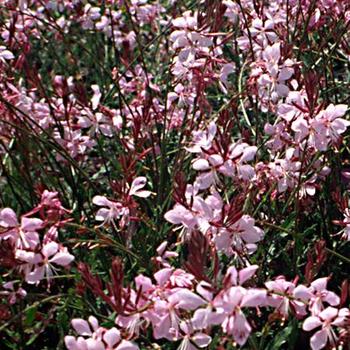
[(174, 174)]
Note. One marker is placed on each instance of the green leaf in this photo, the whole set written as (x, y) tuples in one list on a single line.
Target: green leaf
[(280, 339), (30, 316)]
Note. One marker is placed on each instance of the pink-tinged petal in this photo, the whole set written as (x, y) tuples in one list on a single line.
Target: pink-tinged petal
[(246, 172), (81, 343), (179, 22), (161, 248), (30, 240), (101, 201), (36, 275), (336, 111), (142, 194), (127, 345), (204, 289), (342, 318), (102, 214), (340, 125), (8, 218), (93, 344), (215, 160), (163, 275), (9, 285), (96, 96), (247, 273), (282, 90), (311, 323), (93, 322), (84, 122), (272, 53), (112, 337), (178, 215), (81, 326), (7, 55), (143, 282), (136, 185), (127, 321), (302, 292), (232, 298), (344, 312), (300, 125), (161, 329), (252, 234), (201, 339), (331, 298), (70, 342), (340, 110), (187, 300), (200, 319), (27, 256), (201, 164), (249, 153), (328, 314), (31, 224), (50, 249), (233, 275), (285, 73), (300, 308), (241, 329), (75, 344), (106, 130), (179, 39), (202, 207), (205, 180), (211, 131), (254, 297), (319, 340), (62, 258), (320, 284)]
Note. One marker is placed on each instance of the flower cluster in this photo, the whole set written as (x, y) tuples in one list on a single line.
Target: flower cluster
[(178, 306), (36, 255)]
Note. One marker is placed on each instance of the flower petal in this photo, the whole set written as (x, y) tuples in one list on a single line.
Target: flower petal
[(319, 340), (311, 322), (112, 337), (81, 326)]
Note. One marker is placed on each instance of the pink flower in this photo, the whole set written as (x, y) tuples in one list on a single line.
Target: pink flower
[(5, 54), (94, 337), (346, 222), (186, 300), (283, 297), (13, 293), (317, 294), (25, 235), (201, 340), (231, 303), (209, 169), (136, 188), (73, 142), (240, 277), (169, 312), (328, 126), (202, 140), (8, 218), (239, 236), (328, 318), (97, 123), (43, 263), (111, 210), (96, 96)]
